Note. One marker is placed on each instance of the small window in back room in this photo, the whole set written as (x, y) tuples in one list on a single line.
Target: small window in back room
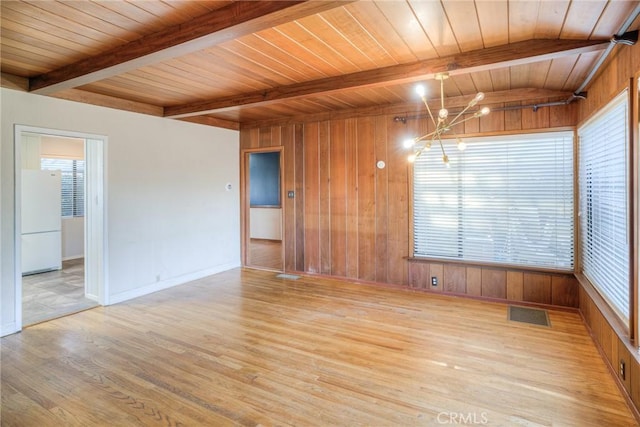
[(264, 169), (72, 184)]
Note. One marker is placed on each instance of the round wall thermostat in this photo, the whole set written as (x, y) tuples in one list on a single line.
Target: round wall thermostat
[(380, 164)]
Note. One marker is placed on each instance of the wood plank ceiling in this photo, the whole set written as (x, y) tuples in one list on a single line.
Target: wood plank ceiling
[(231, 63)]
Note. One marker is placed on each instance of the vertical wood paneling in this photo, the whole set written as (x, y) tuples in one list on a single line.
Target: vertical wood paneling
[(299, 197), (398, 237), (512, 118), (474, 281), (366, 200), (437, 271), (419, 276), (515, 286), (352, 197), (455, 278), (352, 219), (564, 291), (494, 283), (311, 199), (538, 119), (382, 200), (288, 141), (338, 199), (324, 228), (537, 288)]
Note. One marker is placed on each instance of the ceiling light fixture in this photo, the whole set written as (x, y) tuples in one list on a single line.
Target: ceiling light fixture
[(442, 124)]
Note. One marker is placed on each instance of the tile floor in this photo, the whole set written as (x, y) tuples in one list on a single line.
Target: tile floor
[(53, 294)]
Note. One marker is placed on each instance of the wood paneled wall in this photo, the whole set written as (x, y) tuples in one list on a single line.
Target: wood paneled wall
[(496, 283), (612, 338), (351, 219)]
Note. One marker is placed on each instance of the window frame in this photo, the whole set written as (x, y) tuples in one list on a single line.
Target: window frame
[(511, 266), (625, 321), (77, 204)]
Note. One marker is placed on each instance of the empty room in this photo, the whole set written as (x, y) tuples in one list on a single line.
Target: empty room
[(319, 213)]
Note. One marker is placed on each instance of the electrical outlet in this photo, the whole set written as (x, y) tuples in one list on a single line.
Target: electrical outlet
[(622, 370), (434, 281)]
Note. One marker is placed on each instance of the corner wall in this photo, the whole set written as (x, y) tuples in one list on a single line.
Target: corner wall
[(611, 337), (350, 219), (169, 216)]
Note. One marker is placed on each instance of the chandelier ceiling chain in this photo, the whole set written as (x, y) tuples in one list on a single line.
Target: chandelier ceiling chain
[(442, 123)]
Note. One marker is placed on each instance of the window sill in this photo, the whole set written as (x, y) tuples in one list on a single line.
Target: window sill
[(511, 267)]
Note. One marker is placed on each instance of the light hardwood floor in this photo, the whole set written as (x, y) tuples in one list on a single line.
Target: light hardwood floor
[(265, 254), (53, 294), (245, 348)]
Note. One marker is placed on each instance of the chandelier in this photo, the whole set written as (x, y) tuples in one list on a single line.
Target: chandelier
[(442, 124)]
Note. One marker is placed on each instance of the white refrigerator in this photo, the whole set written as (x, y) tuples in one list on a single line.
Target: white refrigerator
[(41, 221)]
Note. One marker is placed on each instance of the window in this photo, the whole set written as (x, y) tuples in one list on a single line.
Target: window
[(505, 200), (72, 183), (603, 153)]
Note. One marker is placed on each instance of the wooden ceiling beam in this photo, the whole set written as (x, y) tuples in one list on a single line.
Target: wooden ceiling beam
[(468, 62), (228, 23)]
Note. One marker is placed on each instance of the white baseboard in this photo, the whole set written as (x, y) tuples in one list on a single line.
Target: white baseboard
[(169, 283), (8, 329), (72, 257)]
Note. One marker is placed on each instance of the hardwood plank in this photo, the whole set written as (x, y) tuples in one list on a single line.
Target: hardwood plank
[(245, 348), (537, 288), (494, 283)]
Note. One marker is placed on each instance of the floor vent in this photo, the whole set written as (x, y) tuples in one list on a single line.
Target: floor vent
[(532, 316), (288, 276)]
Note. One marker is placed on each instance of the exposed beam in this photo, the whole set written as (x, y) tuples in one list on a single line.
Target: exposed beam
[(86, 97), (230, 22), (212, 121), (478, 60), (10, 81)]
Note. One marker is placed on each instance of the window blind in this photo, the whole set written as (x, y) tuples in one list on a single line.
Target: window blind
[(72, 172), (603, 173), (506, 200)]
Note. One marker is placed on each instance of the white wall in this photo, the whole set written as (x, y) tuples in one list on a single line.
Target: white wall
[(169, 217), (72, 237), (265, 223)]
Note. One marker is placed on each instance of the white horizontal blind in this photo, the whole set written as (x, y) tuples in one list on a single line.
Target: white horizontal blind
[(72, 183), (505, 200), (604, 213)]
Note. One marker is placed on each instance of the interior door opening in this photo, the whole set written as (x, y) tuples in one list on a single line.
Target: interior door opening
[(263, 209), (59, 207)]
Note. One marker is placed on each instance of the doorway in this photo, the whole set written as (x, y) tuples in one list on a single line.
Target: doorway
[(59, 242), (262, 211)]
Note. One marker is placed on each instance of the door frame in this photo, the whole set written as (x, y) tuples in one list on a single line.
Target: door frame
[(95, 224), (245, 203)]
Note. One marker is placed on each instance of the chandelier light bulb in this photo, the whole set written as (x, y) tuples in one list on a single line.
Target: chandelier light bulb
[(445, 160), (479, 97), (485, 111), (412, 158), (443, 113), (427, 146), (421, 91), (408, 143), (461, 145)]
